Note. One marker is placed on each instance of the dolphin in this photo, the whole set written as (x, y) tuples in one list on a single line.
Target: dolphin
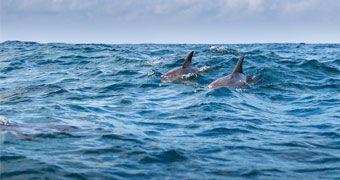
[(235, 79), (27, 131), (178, 73)]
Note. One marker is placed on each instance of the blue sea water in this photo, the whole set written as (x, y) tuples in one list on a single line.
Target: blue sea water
[(99, 111)]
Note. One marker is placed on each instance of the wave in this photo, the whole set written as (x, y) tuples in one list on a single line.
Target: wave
[(118, 122)]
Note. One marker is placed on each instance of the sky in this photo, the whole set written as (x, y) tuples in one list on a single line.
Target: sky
[(171, 21)]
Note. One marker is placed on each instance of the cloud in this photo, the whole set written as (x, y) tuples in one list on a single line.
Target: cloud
[(148, 8), (169, 16), (33, 6), (294, 7)]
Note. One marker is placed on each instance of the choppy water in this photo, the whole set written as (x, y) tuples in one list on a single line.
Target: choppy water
[(97, 111)]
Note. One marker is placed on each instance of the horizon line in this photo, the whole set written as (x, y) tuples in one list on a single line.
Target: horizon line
[(137, 43)]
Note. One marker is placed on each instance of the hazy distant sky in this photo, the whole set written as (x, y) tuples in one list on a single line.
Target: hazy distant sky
[(171, 21)]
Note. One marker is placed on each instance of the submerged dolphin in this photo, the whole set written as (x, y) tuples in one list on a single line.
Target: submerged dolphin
[(27, 131), (177, 73), (235, 79)]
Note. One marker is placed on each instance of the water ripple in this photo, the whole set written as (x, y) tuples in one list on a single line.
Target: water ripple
[(99, 111)]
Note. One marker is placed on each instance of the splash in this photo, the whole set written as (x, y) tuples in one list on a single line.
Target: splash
[(217, 48)]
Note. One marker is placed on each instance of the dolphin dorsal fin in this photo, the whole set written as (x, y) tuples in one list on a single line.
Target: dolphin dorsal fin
[(187, 61), (238, 68)]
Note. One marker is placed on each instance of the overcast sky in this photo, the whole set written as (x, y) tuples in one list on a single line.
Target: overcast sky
[(171, 21)]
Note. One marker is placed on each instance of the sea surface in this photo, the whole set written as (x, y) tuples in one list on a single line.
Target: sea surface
[(100, 111)]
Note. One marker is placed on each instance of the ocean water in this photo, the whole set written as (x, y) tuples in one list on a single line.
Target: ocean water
[(99, 111)]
